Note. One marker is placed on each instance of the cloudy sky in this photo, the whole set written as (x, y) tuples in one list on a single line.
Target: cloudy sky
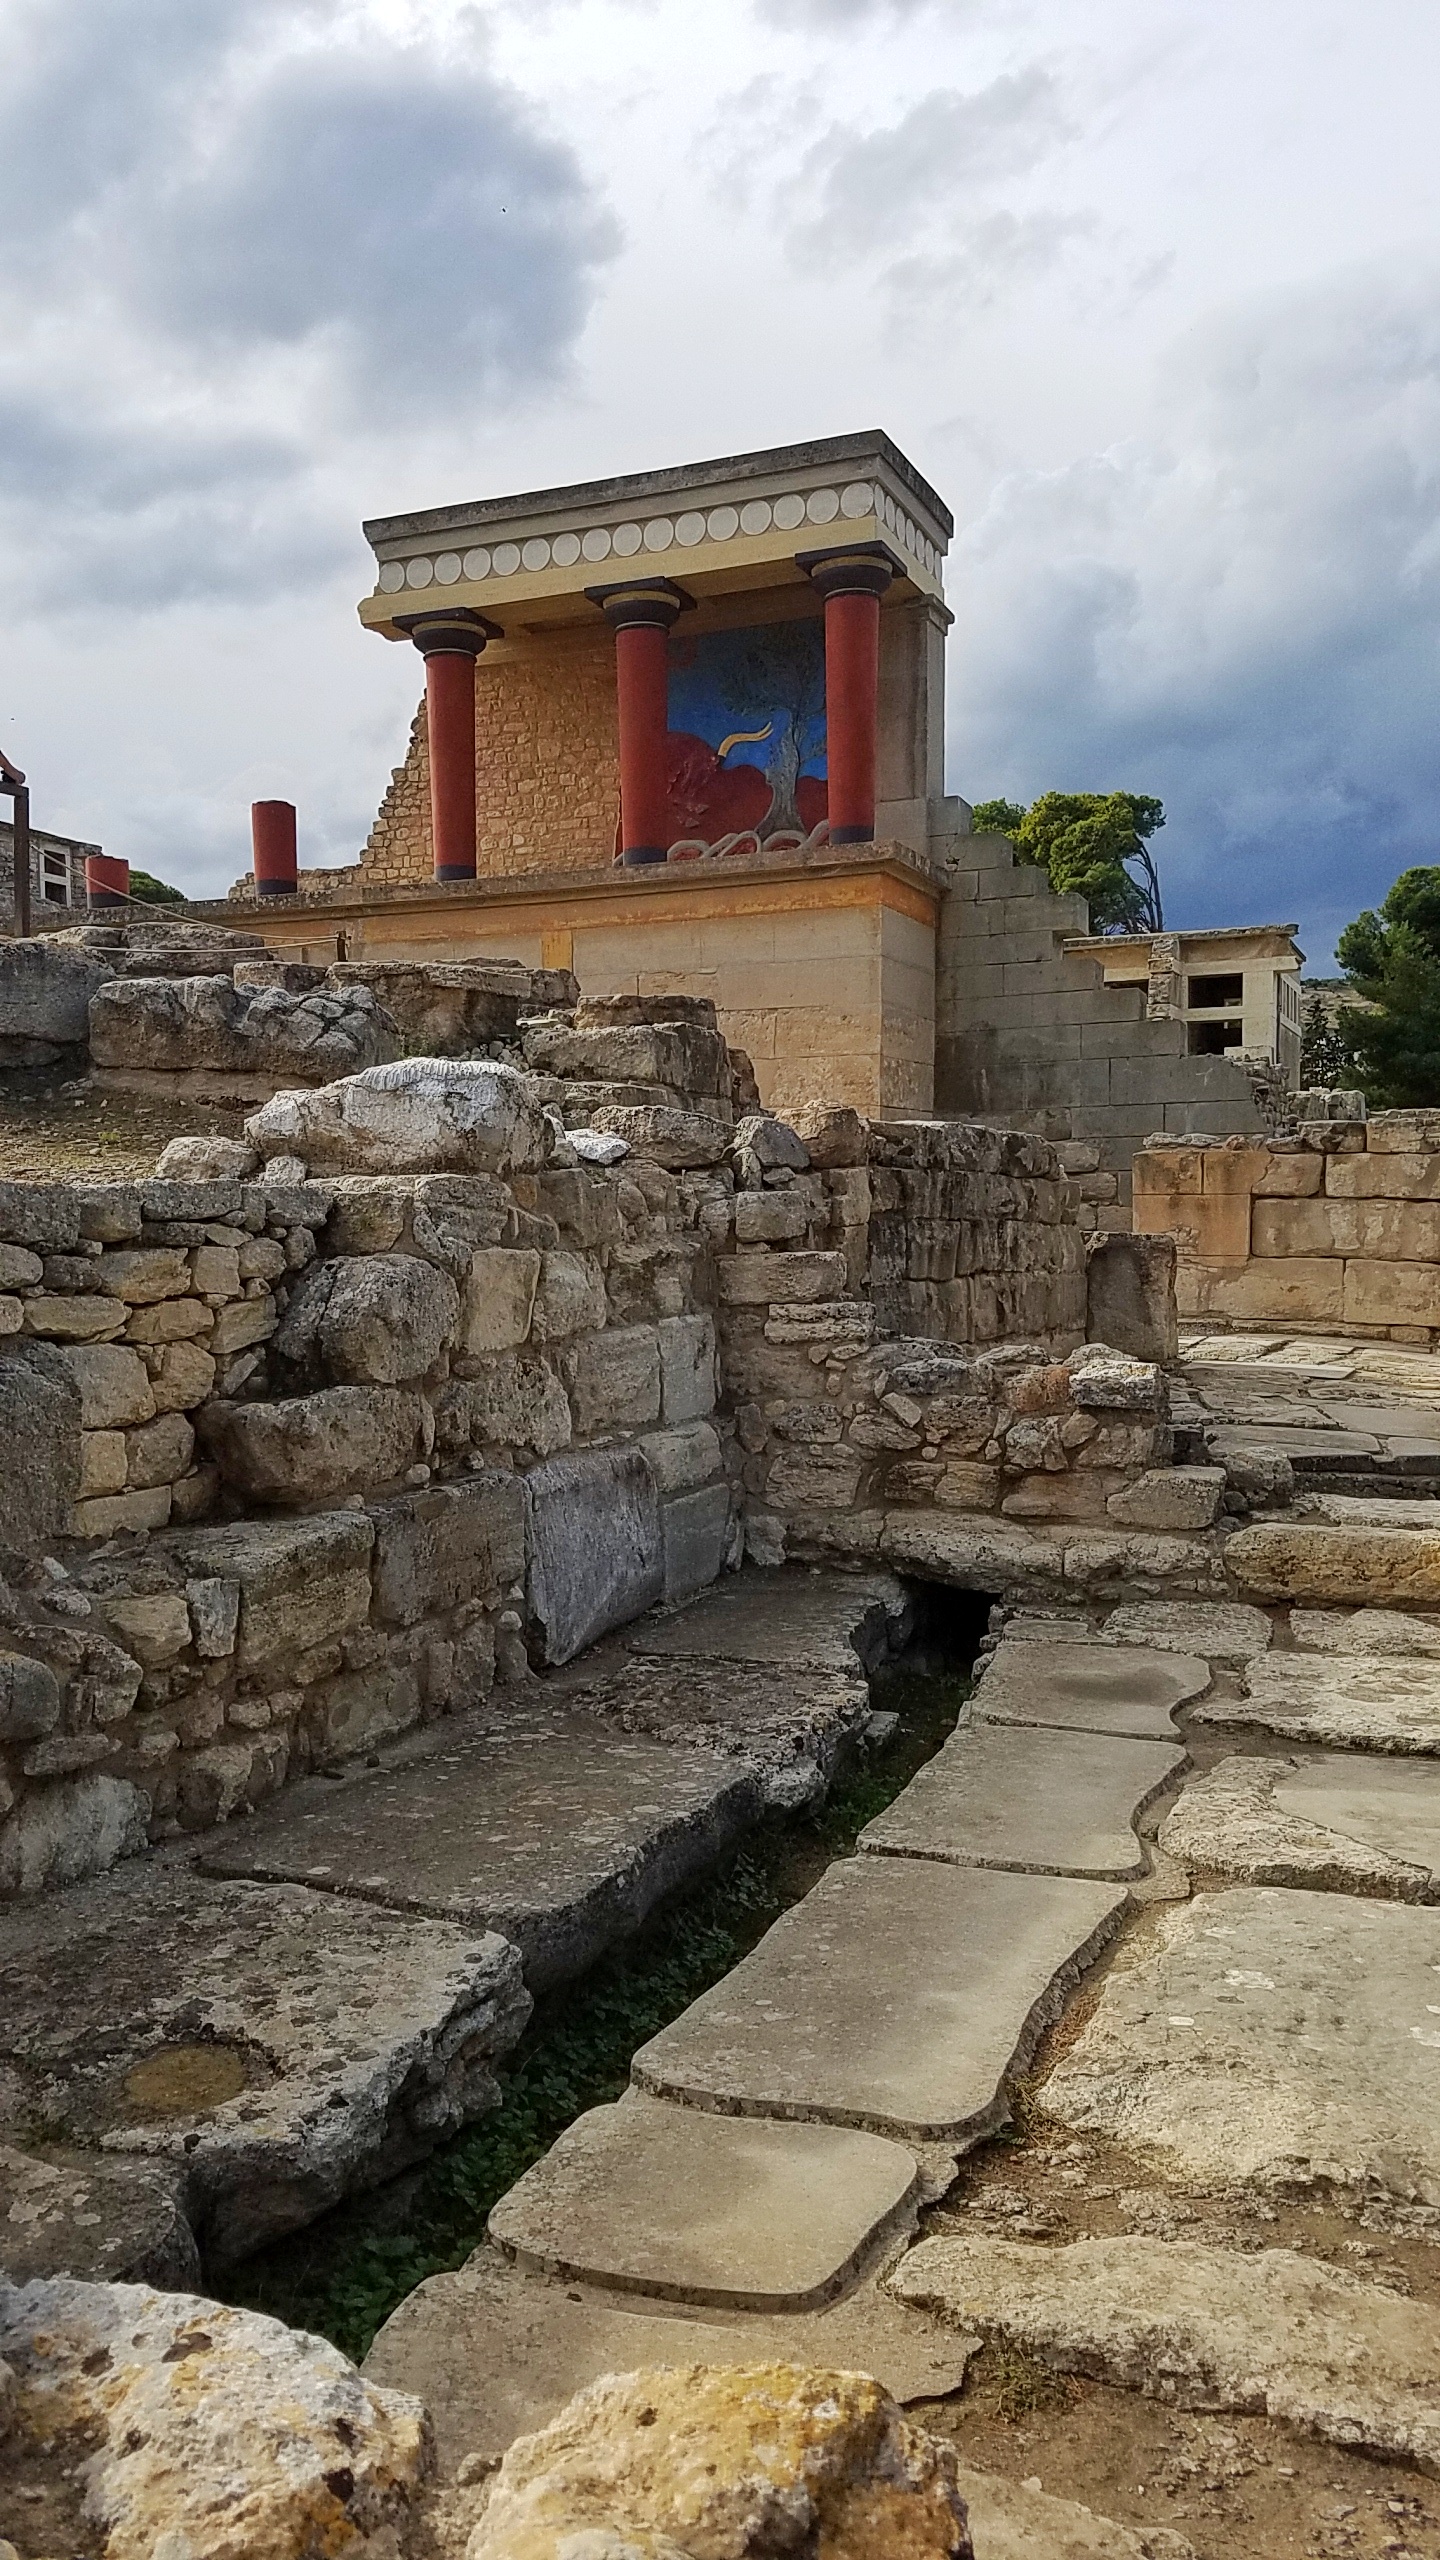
[(1151, 294)]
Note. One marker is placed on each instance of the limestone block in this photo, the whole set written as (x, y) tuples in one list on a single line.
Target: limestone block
[(378, 1320), (1381, 1176), (301, 1582), (103, 1463), (75, 1827), (1339, 1821), (19, 1268), (29, 1698), (1103, 1381), (144, 1274), (77, 1319), (679, 1140), (614, 1379), (596, 1549), (154, 1627), (1130, 1297), (780, 1279), (1296, 1291), (452, 1543), (1392, 1292), (158, 1452), (185, 1377), (1295, 1177), (107, 1514), (309, 1448), (832, 1134), (185, 1320), (681, 1459), (1058, 1497), (214, 1606), (695, 1535), (511, 1403), (45, 991), (209, 1159), (499, 1300), (208, 1024), (1321, 1566), (689, 1057), (212, 2430), (1170, 1498), (420, 1115), (570, 1298), (44, 1215), (215, 1271), (1403, 1133), (444, 1008), (243, 1322), (772, 1217), (725, 2461)]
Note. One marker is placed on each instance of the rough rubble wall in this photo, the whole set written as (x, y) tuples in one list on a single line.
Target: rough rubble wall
[(1337, 1229), (1029, 1034)]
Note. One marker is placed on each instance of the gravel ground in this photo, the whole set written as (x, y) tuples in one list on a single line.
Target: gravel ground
[(52, 1125)]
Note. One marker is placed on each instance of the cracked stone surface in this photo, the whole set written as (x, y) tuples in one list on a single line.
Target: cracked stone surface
[(1364, 1631), (280, 2048), (1372, 1702), (1278, 2039), (1216, 1630), (813, 2024), (793, 1725), (1011, 2520), (716, 2210), (495, 2350), (809, 1621), (1205, 2328), (553, 1831), (1340, 1821), (1090, 1688), (107, 2220), (1030, 1799)]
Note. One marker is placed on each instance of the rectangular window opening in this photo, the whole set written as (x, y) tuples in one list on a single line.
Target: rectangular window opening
[(1212, 1039), (1205, 992)]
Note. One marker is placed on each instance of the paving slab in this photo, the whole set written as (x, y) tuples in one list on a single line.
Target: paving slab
[(1356, 1701), (737, 2211), (1084, 1688), (1215, 1630), (1205, 2328), (495, 2351), (1029, 1799), (789, 1617), (280, 2048), (1010, 2520), (1371, 1511), (1272, 2039), (792, 1726), (1337, 1821), (899, 1996), (1315, 1564), (1387, 1421), (551, 1829), (1297, 1439), (108, 2221), (1364, 1631)]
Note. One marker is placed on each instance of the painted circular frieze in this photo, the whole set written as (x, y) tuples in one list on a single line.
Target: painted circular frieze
[(659, 534), (789, 512), (477, 562), (536, 554), (447, 568), (723, 523), (418, 573), (690, 529), (596, 545), (627, 539), (392, 577), (823, 506), (858, 499), (506, 559), (755, 518), (565, 550)]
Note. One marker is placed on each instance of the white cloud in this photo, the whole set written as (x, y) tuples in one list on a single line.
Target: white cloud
[(858, 192)]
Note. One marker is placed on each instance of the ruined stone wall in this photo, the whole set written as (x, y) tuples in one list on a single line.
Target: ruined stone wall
[(1334, 1230), (546, 769)]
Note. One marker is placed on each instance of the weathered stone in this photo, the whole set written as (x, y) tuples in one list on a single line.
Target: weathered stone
[(94, 2218), (1130, 1296), (1011, 1561), (110, 1513), (687, 1367), (693, 2461), (281, 2047), (1270, 2040), (1217, 1630), (452, 1543), (214, 1607), (817, 1479), (40, 1422), (1029, 1800), (780, 1279), (19, 1268), (1375, 1702), (684, 1458), (1364, 1631), (154, 1628), (764, 1144), (420, 1115), (254, 1037), (1345, 1821), (45, 1215), (144, 1274), (310, 1448), (831, 1134), (615, 1379), (158, 1452), (596, 1549), (678, 1140), (510, 1403), (215, 1271), (1089, 1688), (208, 2429), (185, 1377), (570, 1298), (773, 1217), (695, 1535), (211, 1159), (75, 1827), (685, 2207), (499, 1300), (786, 1620), (237, 1327), (77, 1319), (302, 1582), (103, 1463), (380, 1320), (808, 2024), (186, 1319), (45, 992), (1103, 1381), (1270, 2332), (448, 1007), (1170, 1498), (29, 1698), (795, 1725)]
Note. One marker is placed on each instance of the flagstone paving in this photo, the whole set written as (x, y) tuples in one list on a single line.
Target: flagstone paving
[(1127, 1690), (1030, 1799), (1346, 1821), (1372, 1702)]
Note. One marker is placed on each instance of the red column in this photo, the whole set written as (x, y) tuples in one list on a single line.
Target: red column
[(640, 618), (107, 880), (450, 643), (272, 840), (852, 584)]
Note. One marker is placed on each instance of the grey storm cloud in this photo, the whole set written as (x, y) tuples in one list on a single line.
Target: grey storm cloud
[(1241, 612)]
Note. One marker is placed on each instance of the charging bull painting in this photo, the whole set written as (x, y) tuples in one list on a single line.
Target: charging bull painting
[(747, 736)]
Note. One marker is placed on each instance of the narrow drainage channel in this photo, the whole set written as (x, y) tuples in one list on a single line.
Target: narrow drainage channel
[(345, 2275)]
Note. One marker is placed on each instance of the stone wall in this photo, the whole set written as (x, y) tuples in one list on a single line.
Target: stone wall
[(1334, 1230), (1028, 1033)]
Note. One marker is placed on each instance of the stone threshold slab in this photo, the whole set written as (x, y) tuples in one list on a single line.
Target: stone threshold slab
[(790, 1618), (1090, 1688), (552, 1830), (1369, 1702), (1030, 1800), (899, 1997), (1331, 1821), (1205, 2328), (732, 2211), (1270, 2039), (496, 2350)]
